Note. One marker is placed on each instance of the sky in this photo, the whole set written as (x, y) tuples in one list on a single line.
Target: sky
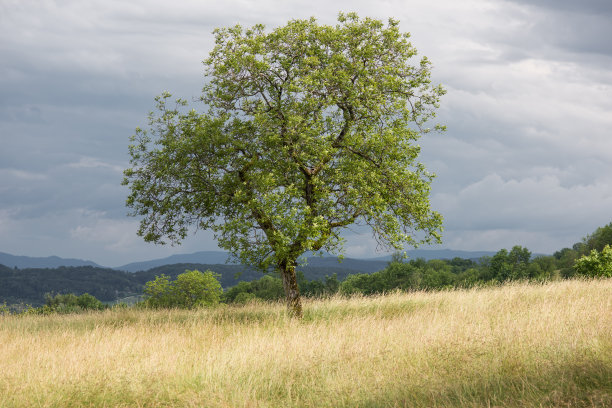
[(526, 159)]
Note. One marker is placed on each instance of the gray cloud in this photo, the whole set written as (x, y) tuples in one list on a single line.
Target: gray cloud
[(596, 7), (553, 28), (526, 160)]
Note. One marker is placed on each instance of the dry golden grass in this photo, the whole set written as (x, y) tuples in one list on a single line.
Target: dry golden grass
[(518, 345)]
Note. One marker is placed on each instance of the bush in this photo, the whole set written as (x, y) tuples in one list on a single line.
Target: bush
[(70, 303), (244, 297), (159, 292), (190, 289), (89, 302), (265, 288), (596, 264)]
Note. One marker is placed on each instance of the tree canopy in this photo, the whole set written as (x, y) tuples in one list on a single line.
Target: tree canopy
[(190, 289), (308, 129)]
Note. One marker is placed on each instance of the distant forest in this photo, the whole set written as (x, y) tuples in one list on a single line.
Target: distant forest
[(29, 286)]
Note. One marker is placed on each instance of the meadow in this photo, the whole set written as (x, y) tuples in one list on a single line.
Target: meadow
[(517, 345)]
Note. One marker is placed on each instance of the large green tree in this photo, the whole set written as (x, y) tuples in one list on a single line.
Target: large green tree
[(308, 129)]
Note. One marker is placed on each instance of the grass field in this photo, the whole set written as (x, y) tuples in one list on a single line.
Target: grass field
[(513, 346)]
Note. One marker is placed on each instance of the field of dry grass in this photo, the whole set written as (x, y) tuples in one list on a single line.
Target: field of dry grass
[(518, 345)]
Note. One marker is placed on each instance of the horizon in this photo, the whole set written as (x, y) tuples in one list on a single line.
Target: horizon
[(381, 258)]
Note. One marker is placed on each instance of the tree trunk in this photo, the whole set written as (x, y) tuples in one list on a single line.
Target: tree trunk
[(292, 291)]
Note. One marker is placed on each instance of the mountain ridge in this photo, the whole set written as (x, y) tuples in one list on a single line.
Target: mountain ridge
[(220, 257), (23, 261)]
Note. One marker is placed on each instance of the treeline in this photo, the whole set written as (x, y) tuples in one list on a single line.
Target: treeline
[(588, 257), (418, 274), (505, 266), (597, 241), (230, 275)]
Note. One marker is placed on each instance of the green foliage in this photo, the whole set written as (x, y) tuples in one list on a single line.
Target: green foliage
[(542, 268), (317, 288), (357, 283), (244, 297), (4, 309), (414, 275), (89, 302), (310, 128), (511, 265), (69, 303), (565, 259), (190, 289), (30, 285), (228, 273), (265, 288), (596, 264), (159, 292), (600, 238), (456, 273), (194, 288)]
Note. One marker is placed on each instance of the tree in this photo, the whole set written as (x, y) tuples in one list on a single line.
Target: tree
[(511, 265), (158, 292), (601, 237), (190, 289), (308, 129), (70, 303), (195, 288)]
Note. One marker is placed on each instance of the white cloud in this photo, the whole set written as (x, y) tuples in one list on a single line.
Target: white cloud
[(92, 163), (16, 174), (115, 235)]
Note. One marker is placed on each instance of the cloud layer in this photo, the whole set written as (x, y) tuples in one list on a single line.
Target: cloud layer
[(527, 158)]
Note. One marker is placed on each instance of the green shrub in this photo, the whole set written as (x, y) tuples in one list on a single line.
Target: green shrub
[(159, 292), (4, 309), (89, 302), (244, 297), (596, 264), (70, 303), (190, 289)]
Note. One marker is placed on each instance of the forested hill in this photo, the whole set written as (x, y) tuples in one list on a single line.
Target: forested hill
[(363, 265), (30, 285), (232, 274), (20, 261)]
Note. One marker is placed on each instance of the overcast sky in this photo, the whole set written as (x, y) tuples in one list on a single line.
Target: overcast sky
[(526, 160)]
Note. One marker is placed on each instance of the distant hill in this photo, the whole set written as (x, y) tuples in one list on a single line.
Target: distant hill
[(29, 285), (361, 265), (429, 254), (232, 274), (356, 265), (220, 257), (22, 262), (201, 257)]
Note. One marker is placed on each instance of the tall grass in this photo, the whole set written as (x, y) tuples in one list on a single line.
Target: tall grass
[(518, 345)]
